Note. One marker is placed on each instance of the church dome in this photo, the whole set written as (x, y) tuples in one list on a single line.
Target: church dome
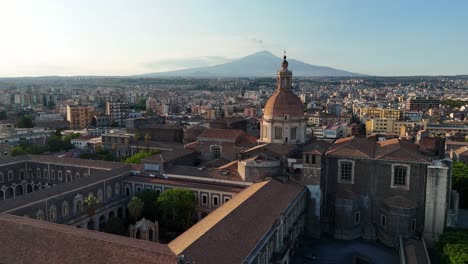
[(283, 102)]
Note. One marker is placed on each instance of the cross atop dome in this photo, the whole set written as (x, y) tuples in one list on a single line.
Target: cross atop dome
[(284, 65)]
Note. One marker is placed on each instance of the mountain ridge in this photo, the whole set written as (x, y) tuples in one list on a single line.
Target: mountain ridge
[(259, 64)]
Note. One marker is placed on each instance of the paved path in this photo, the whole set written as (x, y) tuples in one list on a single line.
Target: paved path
[(330, 251)]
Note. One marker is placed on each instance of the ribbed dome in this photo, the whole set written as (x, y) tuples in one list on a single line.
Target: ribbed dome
[(284, 102)]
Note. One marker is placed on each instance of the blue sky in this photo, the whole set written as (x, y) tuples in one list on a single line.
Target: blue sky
[(377, 37)]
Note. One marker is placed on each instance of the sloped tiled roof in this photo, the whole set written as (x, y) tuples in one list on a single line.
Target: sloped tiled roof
[(228, 234), (352, 147), (391, 149), (400, 202), (26, 240), (231, 134)]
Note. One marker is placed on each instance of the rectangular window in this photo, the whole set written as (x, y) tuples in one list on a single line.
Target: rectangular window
[(307, 159), (215, 201), (399, 176), (314, 159), (293, 133), (357, 218), (204, 199), (346, 171), (383, 220), (278, 133), (216, 150)]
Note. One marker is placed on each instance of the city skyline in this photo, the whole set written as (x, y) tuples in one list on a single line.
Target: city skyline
[(126, 38)]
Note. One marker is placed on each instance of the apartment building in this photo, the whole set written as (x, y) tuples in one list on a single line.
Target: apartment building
[(79, 116)]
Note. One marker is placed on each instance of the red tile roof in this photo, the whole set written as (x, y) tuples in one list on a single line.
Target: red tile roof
[(230, 134), (26, 240), (228, 234)]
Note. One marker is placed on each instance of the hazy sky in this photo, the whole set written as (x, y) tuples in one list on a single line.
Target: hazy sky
[(98, 37)]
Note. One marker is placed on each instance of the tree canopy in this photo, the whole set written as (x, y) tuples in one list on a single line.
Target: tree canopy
[(135, 208), (453, 246), (137, 157), (24, 122), (460, 182), (149, 199), (177, 209)]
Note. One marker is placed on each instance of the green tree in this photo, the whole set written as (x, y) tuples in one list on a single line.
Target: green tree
[(24, 122), (135, 208), (18, 151), (55, 143), (137, 157), (150, 208), (460, 182), (115, 226), (91, 203), (452, 246), (177, 209)]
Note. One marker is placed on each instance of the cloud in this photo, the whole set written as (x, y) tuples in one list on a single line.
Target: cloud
[(184, 63), (256, 41)]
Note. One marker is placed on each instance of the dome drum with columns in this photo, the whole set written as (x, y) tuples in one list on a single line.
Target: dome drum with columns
[(283, 118)]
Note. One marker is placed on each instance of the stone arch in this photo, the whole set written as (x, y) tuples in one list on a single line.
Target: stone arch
[(100, 195), (111, 215), (52, 213), (68, 176), (78, 204), (42, 187), (36, 187), (128, 190), (40, 215), (9, 193), (65, 209), (29, 188), (109, 192), (22, 175), (102, 222), (90, 225), (45, 174), (19, 190)]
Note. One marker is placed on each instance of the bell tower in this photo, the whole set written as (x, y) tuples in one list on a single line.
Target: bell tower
[(284, 76), (283, 119)]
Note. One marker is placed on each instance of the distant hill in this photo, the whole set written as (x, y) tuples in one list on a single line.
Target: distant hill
[(260, 64)]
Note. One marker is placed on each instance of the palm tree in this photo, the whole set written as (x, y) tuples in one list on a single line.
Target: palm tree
[(91, 203), (135, 207), (147, 140)]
